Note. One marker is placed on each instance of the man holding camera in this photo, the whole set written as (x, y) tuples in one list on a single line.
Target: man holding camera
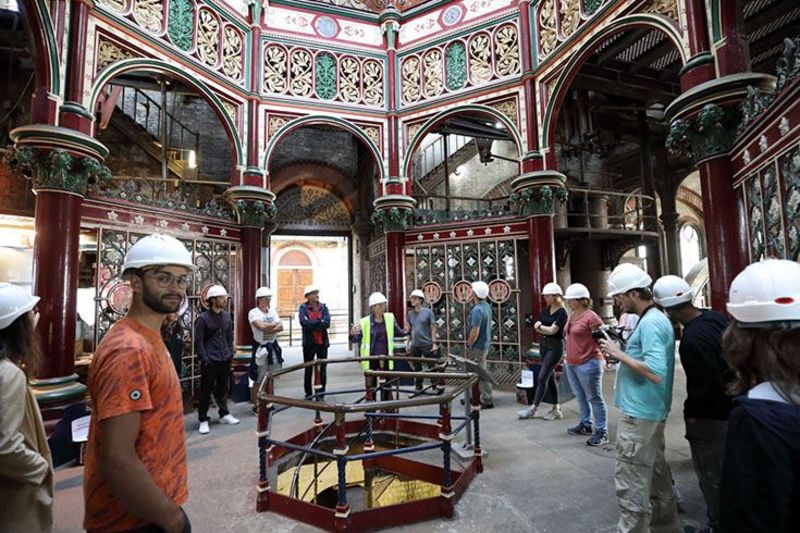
[(644, 395)]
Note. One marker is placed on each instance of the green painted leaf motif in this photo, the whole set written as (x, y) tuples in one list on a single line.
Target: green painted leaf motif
[(325, 76), (181, 23), (456, 65), (590, 6)]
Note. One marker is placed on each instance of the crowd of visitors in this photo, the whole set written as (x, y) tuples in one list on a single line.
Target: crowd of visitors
[(742, 408)]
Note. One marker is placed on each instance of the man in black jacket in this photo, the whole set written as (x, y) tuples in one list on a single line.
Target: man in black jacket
[(707, 405), (213, 342)]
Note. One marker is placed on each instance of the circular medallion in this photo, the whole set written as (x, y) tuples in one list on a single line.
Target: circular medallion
[(432, 291), (120, 297), (326, 26), (499, 291), (462, 292), (452, 15)]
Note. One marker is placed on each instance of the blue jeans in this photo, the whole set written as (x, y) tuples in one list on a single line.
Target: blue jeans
[(586, 381)]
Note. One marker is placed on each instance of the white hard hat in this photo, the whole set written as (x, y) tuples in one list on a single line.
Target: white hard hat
[(418, 294), (156, 250), (481, 289), (216, 290), (766, 292), (14, 302), (263, 292), (626, 278), (376, 298), (670, 291), (310, 289), (552, 289), (577, 291)]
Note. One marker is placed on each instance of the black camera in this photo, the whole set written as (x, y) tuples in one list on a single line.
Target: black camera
[(610, 332)]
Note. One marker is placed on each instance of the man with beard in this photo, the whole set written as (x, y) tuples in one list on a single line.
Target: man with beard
[(135, 476), (643, 394), (213, 342)]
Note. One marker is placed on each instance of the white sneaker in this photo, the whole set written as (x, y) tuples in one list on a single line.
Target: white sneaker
[(526, 413), (228, 419), (204, 428)]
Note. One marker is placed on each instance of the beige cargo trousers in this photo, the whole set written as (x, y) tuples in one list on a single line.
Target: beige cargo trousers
[(643, 479)]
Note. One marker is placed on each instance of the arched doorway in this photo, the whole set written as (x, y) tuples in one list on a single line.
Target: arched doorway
[(295, 272)]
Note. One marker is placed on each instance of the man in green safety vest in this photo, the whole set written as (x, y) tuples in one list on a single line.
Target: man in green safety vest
[(375, 335)]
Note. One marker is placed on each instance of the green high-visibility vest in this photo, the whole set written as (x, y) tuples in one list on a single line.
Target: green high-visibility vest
[(388, 319)]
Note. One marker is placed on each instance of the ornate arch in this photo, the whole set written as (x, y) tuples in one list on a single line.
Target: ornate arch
[(48, 71), (156, 65), (578, 58), (414, 142), (311, 120)]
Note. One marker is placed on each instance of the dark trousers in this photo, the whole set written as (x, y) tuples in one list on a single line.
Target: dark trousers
[(707, 441), (214, 378), (309, 353), (551, 350), (421, 351), (372, 383)]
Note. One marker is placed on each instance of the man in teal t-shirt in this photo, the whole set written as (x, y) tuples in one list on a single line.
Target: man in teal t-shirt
[(644, 395), (480, 322)]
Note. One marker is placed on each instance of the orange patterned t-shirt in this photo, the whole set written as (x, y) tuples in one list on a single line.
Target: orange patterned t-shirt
[(131, 372)]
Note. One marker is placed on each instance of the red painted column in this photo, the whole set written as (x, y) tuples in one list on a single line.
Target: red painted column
[(733, 54), (55, 275), (700, 67), (250, 279), (73, 114), (542, 253), (724, 227), (395, 273)]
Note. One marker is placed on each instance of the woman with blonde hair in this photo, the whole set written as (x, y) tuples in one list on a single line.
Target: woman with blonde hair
[(550, 326), (26, 470), (585, 365)]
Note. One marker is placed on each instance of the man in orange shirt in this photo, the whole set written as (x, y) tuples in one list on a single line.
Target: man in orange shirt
[(135, 476)]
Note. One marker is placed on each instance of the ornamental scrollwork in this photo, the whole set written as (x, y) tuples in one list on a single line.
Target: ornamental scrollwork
[(300, 70), (254, 213), (180, 27), (433, 73), (58, 169), (232, 46), (108, 52), (411, 77), (456, 64), (208, 38), (373, 83), (570, 16), (114, 5), (276, 69), (667, 8), (349, 81), (548, 36), (507, 50), (325, 76), (149, 14), (480, 58)]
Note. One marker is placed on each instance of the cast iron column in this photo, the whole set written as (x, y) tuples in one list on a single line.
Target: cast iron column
[(59, 177), (254, 208)]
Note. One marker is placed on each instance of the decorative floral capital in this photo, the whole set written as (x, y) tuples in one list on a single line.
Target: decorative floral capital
[(712, 132), (393, 218), (254, 212), (538, 200), (58, 169)]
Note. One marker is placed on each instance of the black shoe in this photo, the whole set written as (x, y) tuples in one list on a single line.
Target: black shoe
[(487, 405), (580, 429)]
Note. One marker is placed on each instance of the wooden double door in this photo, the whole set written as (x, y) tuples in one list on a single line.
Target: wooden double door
[(291, 285)]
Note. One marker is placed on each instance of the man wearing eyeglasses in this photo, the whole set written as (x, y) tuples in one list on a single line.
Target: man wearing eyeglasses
[(135, 476), (213, 342)]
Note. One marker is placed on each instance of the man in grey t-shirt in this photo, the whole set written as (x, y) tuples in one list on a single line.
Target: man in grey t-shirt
[(420, 322)]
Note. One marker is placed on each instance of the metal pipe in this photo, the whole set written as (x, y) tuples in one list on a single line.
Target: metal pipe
[(162, 119), (401, 451), (446, 174)]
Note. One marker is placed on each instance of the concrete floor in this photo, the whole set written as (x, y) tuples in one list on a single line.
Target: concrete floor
[(537, 478)]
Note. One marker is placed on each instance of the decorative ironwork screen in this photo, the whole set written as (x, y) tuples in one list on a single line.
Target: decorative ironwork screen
[(216, 264), (449, 266)]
